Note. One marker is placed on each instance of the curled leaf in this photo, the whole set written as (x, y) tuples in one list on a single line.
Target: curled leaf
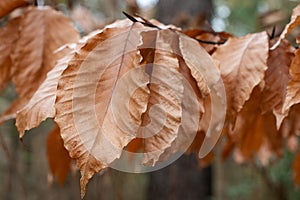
[(58, 157), (276, 80), (6, 6), (8, 37), (94, 95), (294, 22), (243, 62), (33, 54)]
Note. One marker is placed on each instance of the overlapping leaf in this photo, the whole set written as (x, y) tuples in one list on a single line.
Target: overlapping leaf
[(253, 131), (293, 87), (33, 54), (6, 6), (165, 90), (92, 134), (8, 37), (58, 157), (294, 22), (41, 105), (243, 62), (276, 79)]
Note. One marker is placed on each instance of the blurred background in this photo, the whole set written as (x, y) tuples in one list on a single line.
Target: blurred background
[(24, 170)]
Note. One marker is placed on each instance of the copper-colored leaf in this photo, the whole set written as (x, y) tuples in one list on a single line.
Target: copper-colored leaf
[(42, 31), (8, 37), (58, 157), (41, 105), (248, 130), (192, 110), (208, 79), (293, 87), (6, 6), (94, 95), (242, 63), (254, 133), (276, 79), (294, 22), (162, 119)]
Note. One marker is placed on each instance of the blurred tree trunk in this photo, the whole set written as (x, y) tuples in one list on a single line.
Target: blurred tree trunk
[(181, 180), (185, 14)]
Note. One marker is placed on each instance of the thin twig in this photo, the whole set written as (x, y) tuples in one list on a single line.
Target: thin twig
[(144, 22), (210, 42)]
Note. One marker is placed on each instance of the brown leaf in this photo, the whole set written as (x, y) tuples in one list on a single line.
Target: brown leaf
[(162, 119), (6, 6), (254, 133), (136, 145), (242, 63), (276, 79), (209, 81), (8, 37), (293, 87), (192, 110), (294, 22), (94, 95), (42, 31), (41, 105), (248, 130), (201, 76), (58, 157)]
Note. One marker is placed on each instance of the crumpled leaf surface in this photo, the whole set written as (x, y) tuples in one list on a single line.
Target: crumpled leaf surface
[(276, 80), (96, 135), (42, 105), (8, 37), (34, 54), (243, 62), (162, 119), (293, 87), (294, 22)]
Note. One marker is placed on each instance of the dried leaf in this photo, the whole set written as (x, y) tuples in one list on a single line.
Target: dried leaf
[(162, 119), (41, 105), (254, 133), (58, 157), (8, 37), (208, 79), (95, 135), (6, 6), (276, 79), (34, 55), (293, 87), (294, 22), (248, 130), (192, 109), (242, 63)]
